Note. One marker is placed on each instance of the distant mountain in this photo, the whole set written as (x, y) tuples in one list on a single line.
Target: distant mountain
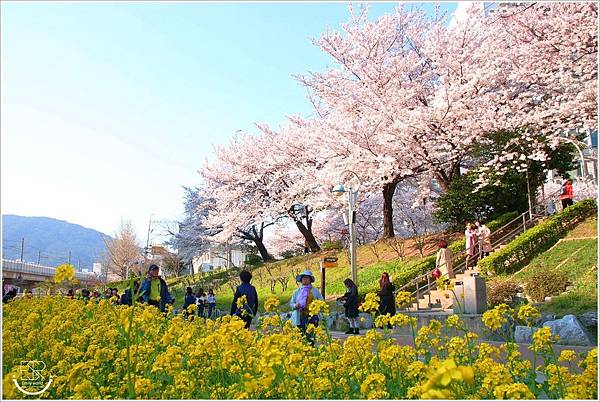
[(50, 240)]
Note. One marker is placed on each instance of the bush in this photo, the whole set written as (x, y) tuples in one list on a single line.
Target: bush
[(546, 283), (538, 239), (332, 245), (253, 260), (501, 291)]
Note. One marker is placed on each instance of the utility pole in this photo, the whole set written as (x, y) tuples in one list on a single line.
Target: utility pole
[(39, 257), (148, 236), (22, 247), (69, 262), (78, 264)]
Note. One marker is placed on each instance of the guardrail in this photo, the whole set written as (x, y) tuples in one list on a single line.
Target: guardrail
[(35, 269), (422, 283)]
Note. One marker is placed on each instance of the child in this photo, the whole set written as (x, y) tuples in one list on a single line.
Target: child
[(201, 302), (249, 310), (212, 303), (188, 299), (350, 299)]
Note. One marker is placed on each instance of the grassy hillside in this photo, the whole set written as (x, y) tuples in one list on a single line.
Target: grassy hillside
[(578, 259), (372, 260)]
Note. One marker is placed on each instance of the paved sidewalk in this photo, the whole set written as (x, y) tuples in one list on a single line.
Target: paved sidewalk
[(523, 347)]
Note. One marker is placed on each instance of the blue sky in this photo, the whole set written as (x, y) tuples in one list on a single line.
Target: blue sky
[(108, 108)]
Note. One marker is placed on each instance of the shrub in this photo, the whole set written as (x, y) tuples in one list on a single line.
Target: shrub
[(332, 245), (546, 283), (253, 260), (501, 291), (536, 240)]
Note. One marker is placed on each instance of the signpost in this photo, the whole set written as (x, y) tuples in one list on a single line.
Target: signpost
[(326, 262)]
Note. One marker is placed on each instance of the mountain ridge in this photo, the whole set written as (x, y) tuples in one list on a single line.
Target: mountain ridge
[(49, 240)]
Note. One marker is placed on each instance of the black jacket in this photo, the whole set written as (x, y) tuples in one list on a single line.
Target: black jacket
[(386, 298), (351, 303)]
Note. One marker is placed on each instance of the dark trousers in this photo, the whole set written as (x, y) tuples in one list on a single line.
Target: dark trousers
[(211, 308), (566, 202), (304, 321), (201, 310)]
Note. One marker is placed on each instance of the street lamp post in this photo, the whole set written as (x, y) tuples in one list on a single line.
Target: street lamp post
[(583, 166), (352, 198)]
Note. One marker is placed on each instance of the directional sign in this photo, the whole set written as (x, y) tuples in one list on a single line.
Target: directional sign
[(329, 262)]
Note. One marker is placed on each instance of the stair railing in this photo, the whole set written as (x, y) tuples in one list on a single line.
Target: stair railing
[(507, 232)]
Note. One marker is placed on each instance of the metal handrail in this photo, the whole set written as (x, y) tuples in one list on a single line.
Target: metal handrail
[(463, 253), (526, 219), (460, 267)]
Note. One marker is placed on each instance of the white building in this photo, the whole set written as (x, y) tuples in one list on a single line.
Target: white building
[(97, 269), (219, 257)]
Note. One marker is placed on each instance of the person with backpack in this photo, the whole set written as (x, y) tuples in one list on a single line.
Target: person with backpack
[(154, 289), (566, 193), (250, 308), (350, 299)]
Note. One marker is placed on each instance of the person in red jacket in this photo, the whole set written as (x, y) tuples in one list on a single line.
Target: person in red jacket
[(566, 193)]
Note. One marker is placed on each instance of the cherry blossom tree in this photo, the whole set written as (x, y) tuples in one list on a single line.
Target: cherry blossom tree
[(410, 96), (191, 239), (237, 192)]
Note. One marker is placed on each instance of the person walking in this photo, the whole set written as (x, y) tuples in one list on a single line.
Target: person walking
[(566, 193), (300, 303), (483, 235), (250, 308), (443, 260), (212, 303), (350, 299), (154, 289), (387, 304), (471, 242)]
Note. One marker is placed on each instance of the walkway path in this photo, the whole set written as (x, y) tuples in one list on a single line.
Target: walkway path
[(523, 347)]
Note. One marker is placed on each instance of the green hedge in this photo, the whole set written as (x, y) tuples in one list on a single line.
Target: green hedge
[(538, 239), (427, 264)]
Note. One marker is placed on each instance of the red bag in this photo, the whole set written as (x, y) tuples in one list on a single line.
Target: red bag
[(436, 273)]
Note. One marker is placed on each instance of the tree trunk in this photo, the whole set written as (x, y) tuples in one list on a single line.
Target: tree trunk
[(443, 181), (257, 237), (388, 209), (308, 236), (262, 249)]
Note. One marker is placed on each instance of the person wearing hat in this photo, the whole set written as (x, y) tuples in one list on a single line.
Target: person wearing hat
[(154, 289), (301, 299)]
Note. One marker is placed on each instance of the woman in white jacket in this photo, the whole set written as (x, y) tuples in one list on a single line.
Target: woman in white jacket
[(485, 243), (300, 302)]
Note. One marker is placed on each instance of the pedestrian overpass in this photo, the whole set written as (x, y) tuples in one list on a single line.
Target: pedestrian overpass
[(28, 275)]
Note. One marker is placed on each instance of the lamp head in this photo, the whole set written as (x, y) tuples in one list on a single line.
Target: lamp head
[(339, 189)]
